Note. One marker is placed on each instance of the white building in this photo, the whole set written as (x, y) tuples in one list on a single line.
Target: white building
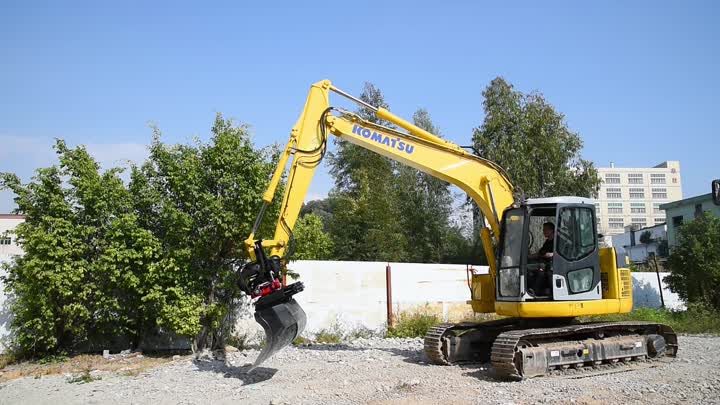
[(632, 196), (629, 244), (8, 249)]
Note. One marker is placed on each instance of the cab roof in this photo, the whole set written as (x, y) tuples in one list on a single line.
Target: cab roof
[(560, 200)]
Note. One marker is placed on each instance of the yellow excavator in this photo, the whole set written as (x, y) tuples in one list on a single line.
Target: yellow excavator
[(538, 287)]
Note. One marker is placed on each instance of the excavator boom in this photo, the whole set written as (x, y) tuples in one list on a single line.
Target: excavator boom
[(281, 317)]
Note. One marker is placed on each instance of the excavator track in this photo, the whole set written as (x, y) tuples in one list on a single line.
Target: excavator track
[(452, 343), (520, 354), (521, 348), (434, 344)]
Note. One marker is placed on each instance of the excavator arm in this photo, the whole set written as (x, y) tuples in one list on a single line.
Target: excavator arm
[(484, 181)]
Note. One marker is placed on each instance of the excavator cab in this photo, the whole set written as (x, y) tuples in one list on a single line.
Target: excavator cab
[(549, 252)]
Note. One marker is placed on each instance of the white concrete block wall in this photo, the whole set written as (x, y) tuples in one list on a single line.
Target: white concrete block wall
[(353, 293), (647, 294)]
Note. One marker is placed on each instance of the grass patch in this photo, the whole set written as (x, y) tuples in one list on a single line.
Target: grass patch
[(6, 360), (328, 336), (695, 320), (413, 324), (300, 340)]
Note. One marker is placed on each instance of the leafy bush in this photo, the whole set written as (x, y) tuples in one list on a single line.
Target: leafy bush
[(312, 242), (413, 324), (695, 262)]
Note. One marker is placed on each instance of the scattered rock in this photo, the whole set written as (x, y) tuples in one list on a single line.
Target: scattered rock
[(322, 374)]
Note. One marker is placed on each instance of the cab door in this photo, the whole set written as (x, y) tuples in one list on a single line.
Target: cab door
[(576, 262)]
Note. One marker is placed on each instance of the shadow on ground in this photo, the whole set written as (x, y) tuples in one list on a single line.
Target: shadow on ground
[(255, 376)]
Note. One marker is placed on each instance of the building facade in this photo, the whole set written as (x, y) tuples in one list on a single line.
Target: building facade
[(633, 196), (8, 249), (630, 244), (684, 211)]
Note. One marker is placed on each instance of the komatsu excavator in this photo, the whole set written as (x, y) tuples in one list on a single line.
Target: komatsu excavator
[(537, 296)]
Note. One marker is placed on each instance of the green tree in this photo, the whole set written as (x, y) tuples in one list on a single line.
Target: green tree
[(200, 201), (311, 242), (82, 278), (695, 262), (646, 237), (366, 221), (322, 208), (526, 136), (425, 205)]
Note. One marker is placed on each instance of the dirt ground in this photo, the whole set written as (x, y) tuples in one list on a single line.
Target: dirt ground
[(376, 371)]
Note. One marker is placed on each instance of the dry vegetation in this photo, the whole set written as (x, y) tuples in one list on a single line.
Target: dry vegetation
[(79, 366)]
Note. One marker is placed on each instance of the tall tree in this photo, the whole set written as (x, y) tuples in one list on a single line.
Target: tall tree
[(366, 215), (426, 205), (201, 201), (524, 134)]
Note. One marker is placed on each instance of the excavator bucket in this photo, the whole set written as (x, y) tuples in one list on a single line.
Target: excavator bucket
[(282, 323)]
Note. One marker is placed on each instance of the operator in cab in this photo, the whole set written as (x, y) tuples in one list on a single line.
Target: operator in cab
[(547, 249), (539, 280)]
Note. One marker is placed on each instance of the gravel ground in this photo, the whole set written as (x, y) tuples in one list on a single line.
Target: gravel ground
[(378, 371)]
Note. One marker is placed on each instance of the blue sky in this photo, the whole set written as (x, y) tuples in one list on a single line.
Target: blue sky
[(638, 80)]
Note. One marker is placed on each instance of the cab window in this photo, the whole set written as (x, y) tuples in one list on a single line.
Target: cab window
[(576, 233)]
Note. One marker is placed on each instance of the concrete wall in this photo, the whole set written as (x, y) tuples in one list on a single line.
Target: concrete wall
[(352, 294)]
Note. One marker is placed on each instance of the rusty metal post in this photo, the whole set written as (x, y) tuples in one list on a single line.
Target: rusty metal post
[(284, 279), (660, 286), (388, 290)]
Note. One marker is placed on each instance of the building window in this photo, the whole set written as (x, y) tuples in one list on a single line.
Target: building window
[(677, 221), (674, 180), (5, 240), (616, 223), (635, 178), (657, 178), (637, 208), (637, 193), (613, 193), (612, 178), (659, 193), (659, 221), (656, 209), (615, 208), (698, 210), (639, 222)]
